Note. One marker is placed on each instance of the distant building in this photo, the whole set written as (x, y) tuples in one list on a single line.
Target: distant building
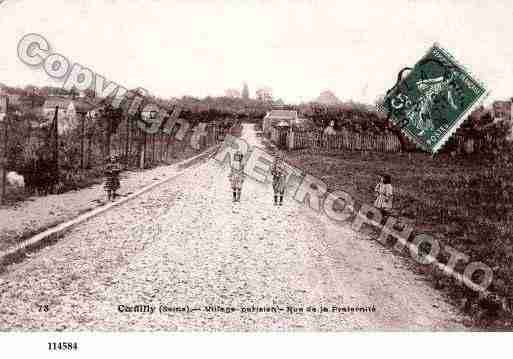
[(274, 117), (264, 94), (14, 99), (502, 110), (327, 98), (282, 126), (232, 93), (68, 113)]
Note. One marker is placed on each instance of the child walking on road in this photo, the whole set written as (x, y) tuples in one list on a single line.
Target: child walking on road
[(236, 176), (384, 193), (278, 183)]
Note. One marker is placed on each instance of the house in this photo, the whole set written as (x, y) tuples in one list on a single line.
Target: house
[(150, 112), (284, 126), (279, 133), (69, 111), (274, 117), (14, 99)]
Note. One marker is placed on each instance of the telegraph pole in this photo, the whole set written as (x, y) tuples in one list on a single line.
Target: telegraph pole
[(4, 105), (56, 145)]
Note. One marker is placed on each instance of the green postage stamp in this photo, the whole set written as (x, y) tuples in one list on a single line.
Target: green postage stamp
[(433, 99)]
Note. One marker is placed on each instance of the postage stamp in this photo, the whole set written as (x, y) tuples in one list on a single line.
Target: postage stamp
[(433, 99)]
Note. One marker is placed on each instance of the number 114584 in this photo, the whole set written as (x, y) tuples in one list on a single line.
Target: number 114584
[(62, 346)]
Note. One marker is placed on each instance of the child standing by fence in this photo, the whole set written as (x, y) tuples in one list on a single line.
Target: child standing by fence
[(112, 182), (384, 193)]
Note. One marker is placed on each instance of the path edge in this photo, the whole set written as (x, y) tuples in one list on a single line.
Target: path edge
[(67, 225)]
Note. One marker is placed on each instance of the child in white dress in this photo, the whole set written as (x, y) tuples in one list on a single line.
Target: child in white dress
[(384, 192)]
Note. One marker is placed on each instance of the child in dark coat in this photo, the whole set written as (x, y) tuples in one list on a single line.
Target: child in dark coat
[(236, 176), (279, 178), (112, 183)]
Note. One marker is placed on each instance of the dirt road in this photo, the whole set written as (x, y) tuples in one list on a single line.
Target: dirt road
[(186, 244)]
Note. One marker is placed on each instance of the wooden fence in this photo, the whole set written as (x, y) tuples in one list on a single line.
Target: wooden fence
[(82, 153), (343, 141), (468, 145)]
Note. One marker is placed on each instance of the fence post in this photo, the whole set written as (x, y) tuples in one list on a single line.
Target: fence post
[(3, 118), (127, 140), (143, 150), (82, 135)]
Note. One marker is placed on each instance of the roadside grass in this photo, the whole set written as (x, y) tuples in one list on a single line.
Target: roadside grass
[(463, 202), (77, 179)]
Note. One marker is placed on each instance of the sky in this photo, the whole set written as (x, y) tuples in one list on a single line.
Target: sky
[(297, 47)]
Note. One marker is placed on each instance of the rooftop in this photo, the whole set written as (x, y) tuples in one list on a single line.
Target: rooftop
[(282, 114)]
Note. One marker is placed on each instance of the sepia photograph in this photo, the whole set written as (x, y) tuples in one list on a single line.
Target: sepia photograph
[(285, 169)]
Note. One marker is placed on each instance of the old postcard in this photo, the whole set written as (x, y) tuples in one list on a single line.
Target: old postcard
[(259, 166)]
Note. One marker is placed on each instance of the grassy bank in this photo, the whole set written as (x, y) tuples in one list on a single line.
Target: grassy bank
[(463, 202)]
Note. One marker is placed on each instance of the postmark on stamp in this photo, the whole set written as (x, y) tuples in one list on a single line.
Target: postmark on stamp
[(433, 99)]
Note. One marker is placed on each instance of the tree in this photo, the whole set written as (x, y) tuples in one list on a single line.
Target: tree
[(232, 93), (109, 120), (245, 91)]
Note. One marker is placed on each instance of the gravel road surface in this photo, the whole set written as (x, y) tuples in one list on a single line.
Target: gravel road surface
[(185, 246)]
